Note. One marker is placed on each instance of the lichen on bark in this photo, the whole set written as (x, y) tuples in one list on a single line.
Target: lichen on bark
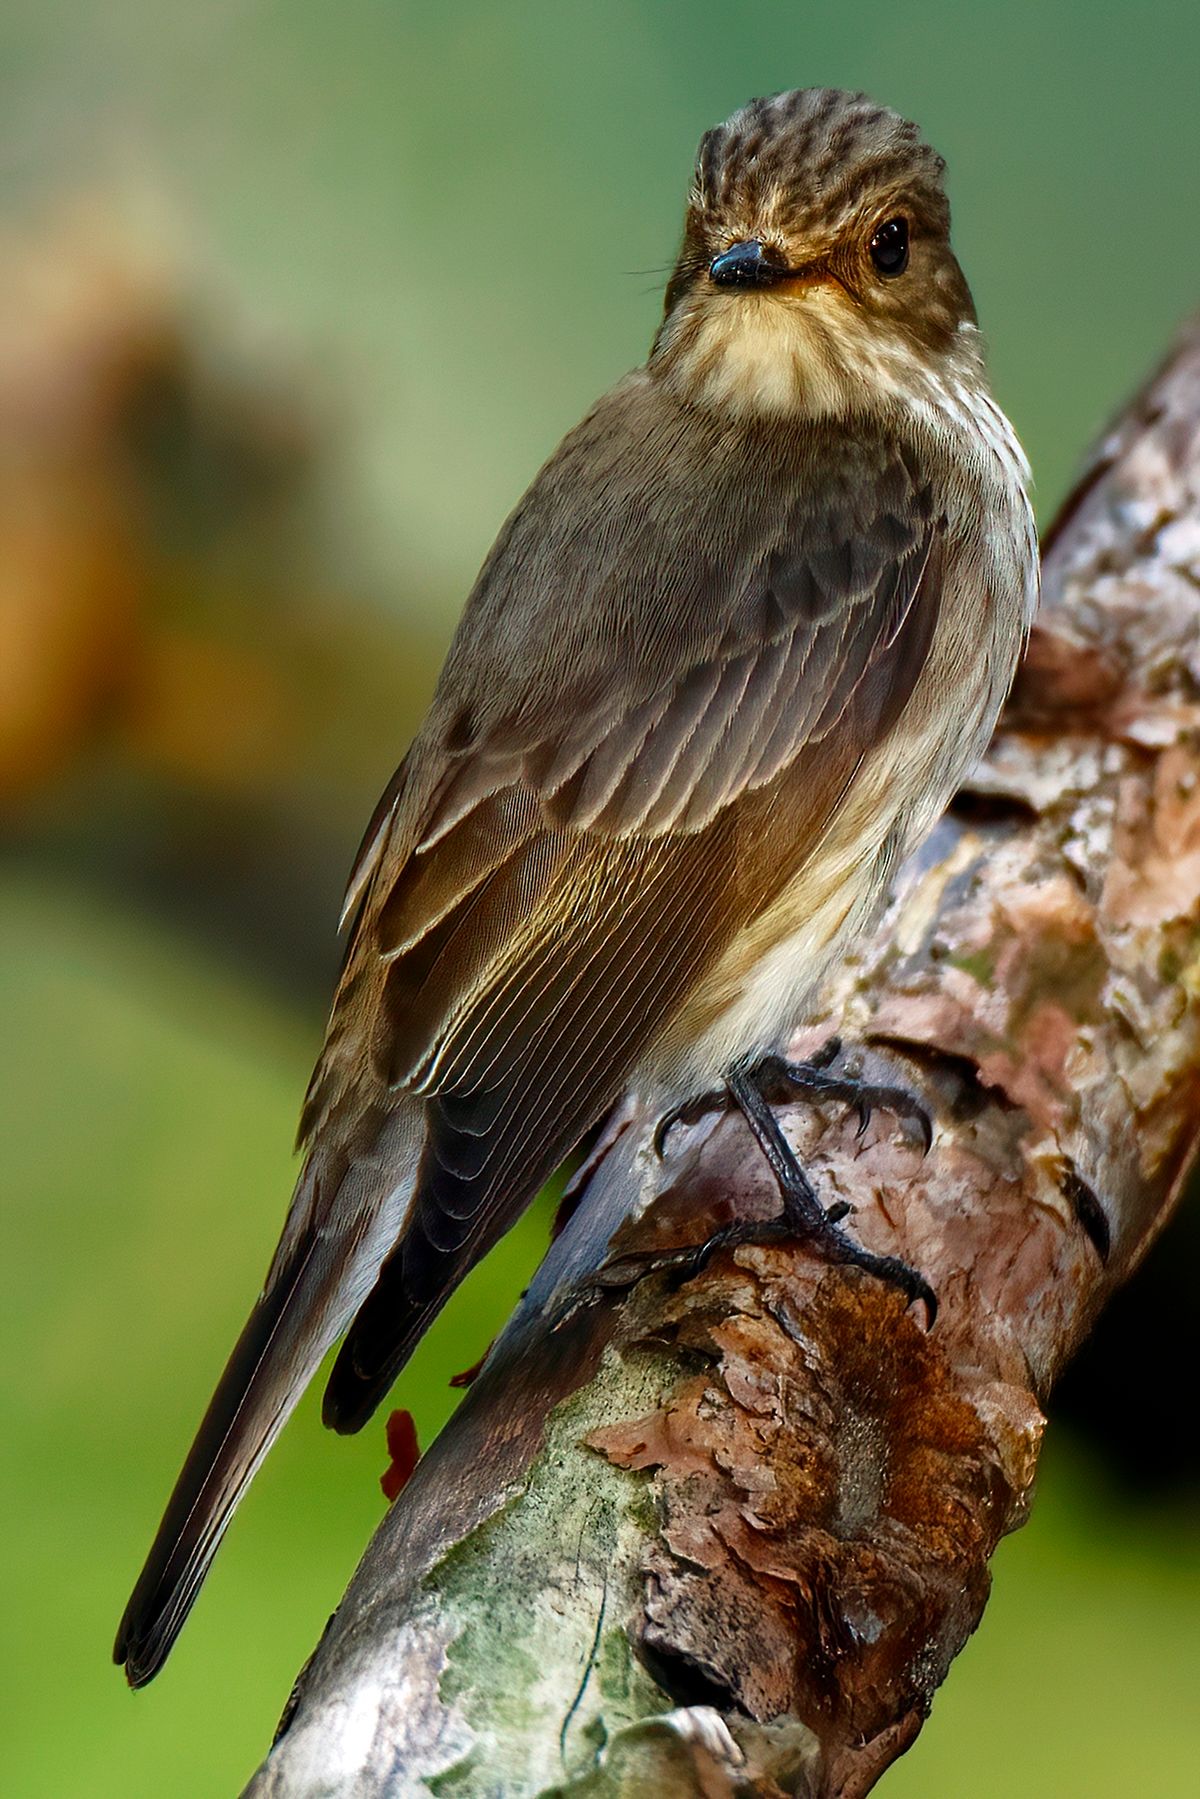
[(538, 1595)]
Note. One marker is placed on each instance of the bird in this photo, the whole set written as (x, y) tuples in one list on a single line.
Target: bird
[(725, 664)]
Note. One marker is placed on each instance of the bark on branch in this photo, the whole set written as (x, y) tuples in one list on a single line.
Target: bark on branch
[(728, 1539)]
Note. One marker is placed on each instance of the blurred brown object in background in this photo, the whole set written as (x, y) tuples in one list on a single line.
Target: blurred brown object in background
[(127, 460), (78, 331), (198, 691)]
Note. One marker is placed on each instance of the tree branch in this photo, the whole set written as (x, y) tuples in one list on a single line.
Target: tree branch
[(728, 1539)]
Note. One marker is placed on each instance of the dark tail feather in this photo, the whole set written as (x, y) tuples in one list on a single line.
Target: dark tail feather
[(447, 1231), (276, 1356), (337, 1234)]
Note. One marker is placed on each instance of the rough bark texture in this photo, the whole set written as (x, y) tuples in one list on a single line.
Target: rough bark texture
[(727, 1539)]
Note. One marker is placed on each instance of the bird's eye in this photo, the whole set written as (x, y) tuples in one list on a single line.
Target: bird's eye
[(889, 247)]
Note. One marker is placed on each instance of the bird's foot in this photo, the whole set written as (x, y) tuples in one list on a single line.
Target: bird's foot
[(826, 1237), (821, 1233), (719, 1099), (779, 1081), (804, 1220)]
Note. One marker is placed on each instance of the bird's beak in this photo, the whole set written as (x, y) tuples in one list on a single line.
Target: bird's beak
[(753, 264), (748, 264)]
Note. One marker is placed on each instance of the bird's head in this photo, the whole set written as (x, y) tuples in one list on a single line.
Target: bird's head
[(816, 274)]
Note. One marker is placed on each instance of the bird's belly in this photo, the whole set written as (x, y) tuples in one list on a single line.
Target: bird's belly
[(766, 981)]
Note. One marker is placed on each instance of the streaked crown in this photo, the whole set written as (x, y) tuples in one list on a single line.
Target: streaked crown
[(809, 161)]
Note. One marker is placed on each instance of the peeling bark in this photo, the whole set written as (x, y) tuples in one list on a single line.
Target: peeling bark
[(727, 1539)]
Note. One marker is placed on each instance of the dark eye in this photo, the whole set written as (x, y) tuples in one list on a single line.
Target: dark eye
[(889, 247)]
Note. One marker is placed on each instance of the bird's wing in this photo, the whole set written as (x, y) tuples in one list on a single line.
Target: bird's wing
[(573, 872)]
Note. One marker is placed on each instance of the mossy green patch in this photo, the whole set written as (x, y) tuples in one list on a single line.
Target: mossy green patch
[(540, 1666)]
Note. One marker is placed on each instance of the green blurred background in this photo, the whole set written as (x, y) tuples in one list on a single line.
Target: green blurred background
[(294, 298)]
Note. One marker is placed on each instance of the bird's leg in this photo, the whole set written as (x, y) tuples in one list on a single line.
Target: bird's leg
[(803, 1218)]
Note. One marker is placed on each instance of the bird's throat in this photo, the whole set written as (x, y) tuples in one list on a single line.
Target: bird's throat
[(811, 356)]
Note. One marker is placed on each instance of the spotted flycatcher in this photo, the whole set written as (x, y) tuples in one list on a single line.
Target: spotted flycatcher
[(726, 662)]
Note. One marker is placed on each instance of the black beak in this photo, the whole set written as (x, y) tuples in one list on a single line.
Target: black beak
[(747, 265)]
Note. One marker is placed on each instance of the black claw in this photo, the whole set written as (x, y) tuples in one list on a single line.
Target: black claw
[(912, 1284), (842, 1248), (682, 1265), (690, 1112), (804, 1219), (781, 1080)]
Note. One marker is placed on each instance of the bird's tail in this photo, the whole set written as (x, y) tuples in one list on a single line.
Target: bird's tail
[(313, 1291)]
